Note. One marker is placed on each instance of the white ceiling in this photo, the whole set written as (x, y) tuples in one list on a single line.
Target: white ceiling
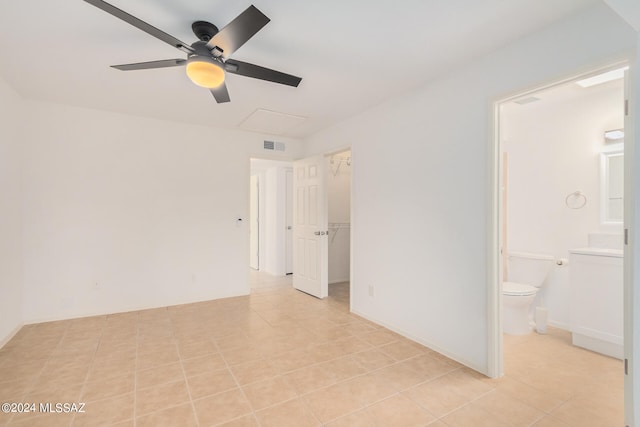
[(351, 54), (629, 10)]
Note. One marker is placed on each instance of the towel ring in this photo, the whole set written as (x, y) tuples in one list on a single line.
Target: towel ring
[(575, 200)]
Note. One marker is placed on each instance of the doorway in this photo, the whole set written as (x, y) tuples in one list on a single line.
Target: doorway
[(554, 196), (270, 222), (339, 219)]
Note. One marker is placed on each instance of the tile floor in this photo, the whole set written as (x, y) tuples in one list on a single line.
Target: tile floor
[(282, 358)]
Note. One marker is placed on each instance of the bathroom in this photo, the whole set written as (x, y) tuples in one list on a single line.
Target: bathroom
[(558, 168)]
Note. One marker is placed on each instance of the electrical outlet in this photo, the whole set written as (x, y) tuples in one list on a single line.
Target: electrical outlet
[(371, 291)]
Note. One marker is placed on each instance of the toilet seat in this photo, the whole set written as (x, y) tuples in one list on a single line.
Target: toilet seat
[(518, 289)]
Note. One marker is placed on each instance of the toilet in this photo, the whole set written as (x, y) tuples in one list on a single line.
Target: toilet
[(526, 273)]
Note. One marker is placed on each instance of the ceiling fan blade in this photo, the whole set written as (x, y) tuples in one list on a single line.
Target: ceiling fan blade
[(221, 94), (149, 29), (257, 72), (238, 31), (151, 64)]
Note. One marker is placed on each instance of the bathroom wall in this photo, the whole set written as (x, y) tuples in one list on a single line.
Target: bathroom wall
[(339, 198), (554, 148)]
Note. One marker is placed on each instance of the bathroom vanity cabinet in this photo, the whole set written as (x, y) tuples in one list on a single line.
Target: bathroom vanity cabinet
[(597, 300)]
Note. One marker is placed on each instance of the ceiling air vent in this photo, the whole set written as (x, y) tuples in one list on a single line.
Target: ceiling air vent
[(271, 145)]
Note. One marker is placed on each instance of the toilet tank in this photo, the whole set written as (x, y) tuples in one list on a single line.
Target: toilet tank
[(528, 268)]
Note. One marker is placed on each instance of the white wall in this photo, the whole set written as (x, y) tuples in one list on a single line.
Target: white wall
[(11, 146), (554, 148), (421, 184), (143, 208), (339, 215)]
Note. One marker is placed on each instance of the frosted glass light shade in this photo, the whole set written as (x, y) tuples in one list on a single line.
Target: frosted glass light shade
[(205, 72)]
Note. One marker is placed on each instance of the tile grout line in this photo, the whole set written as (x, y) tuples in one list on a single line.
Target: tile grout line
[(298, 395), (66, 331), (469, 403), (306, 328), (224, 359), (93, 358), (30, 387), (186, 383)]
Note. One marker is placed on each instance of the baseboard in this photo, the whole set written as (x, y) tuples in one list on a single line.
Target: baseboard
[(35, 321), (12, 334), (559, 325), (455, 357), (334, 281)]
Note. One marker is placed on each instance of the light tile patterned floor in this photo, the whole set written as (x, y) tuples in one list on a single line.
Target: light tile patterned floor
[(282, 358)]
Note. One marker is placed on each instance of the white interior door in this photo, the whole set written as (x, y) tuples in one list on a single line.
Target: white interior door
[(310, 229), (254, 223), (289, 223)]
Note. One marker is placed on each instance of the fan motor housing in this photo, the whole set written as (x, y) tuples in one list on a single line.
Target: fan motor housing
[(200, 49)]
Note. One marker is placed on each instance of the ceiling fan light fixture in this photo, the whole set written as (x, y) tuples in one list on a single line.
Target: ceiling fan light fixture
[(206, 63), (205, 72)]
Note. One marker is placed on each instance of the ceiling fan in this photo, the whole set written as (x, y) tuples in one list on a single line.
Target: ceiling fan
[(208, 58)]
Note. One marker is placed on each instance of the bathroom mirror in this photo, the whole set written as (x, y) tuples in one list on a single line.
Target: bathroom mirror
[(612, 186)]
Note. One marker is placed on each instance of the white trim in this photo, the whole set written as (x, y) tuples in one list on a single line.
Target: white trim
[(495, 360), (351, 251), (134, 308), (405, 334), (559, 325)]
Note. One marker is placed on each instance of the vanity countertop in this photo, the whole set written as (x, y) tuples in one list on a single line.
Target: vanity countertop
[(615, 253)]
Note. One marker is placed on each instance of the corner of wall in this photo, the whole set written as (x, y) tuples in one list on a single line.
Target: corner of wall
[(11, 161)]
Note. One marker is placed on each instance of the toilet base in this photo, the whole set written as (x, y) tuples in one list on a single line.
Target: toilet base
[(515, 314)]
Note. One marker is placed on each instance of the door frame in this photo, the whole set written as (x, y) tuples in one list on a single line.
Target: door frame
[(254, 200), (632, 284), (327, 155), (495, 358)]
